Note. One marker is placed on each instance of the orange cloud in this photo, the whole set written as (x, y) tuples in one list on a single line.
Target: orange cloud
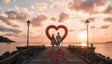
[(105, 26), (63, 16), (91, 19), (89, 6), (6, 29), (53, 19), (32, 8), (6, 1), (71, 30), (37, 21), (55, 5), (18, 16), (41, 6), (108, 10), (7, 21), (83, 29), (108, 19), (79, 5), (92, 27)]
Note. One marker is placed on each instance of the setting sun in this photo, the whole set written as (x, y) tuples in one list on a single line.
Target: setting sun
[(83, 36), (83, 44)]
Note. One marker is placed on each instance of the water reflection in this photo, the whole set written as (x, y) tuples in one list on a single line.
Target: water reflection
[(12, 46), (6, 47), (105, 49)]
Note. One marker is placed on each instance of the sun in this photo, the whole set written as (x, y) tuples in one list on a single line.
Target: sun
[(83, 44), (83, 36)]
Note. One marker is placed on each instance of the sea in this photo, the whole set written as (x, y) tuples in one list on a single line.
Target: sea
[(103, 48)]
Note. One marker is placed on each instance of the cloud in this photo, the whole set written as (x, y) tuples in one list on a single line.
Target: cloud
[(22, 17), (6, 29), (105, 26), (92, 27), (71, 30), (41, 6), (34, 36), (10, 34), (83, 29), (17, 15), (79, 5), (25, 35), (7, 21), (100, 2), (108, 10), (37, 21), (91, 19), (55, 5), (11, 14), (89, 6), (0, 10), (16, 8), (32, 8), (108, 19), (53, 19), (6, 1), (63, 17)]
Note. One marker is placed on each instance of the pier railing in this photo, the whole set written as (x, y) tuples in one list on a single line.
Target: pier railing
[(22, 54), (89, 54)]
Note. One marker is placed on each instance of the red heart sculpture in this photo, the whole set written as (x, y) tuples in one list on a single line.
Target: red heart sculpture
[(56, 28)]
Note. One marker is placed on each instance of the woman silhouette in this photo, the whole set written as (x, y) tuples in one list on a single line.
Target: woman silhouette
[(53, 40)]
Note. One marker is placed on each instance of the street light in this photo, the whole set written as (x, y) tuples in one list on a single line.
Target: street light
[(28, 24), (87, 24)]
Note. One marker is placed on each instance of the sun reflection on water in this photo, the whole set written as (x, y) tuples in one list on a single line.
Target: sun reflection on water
[(83, 44)]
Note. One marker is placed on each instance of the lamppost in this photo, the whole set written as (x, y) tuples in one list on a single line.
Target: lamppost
[(28, 24), (87, 24)]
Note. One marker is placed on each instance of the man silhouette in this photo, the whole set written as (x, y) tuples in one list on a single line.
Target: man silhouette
[(58, 39)]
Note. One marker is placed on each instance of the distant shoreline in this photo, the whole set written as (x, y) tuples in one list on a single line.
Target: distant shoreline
[(8, 42), (5, 39), (109, 42)]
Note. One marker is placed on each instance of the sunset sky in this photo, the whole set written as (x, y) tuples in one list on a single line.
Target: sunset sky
[(42, 13)]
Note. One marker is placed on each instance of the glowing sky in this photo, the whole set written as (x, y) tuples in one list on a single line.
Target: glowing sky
[(42, 13)]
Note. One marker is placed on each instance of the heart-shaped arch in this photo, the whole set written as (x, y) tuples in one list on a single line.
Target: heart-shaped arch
[(56, 28)]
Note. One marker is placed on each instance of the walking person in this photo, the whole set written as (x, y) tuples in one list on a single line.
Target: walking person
[(53, 40), (58, 39)]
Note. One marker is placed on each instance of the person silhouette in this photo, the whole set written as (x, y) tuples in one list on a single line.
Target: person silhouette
[(58, 39), (53, 40)]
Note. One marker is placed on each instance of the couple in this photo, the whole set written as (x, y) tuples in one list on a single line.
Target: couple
[(57, 40)]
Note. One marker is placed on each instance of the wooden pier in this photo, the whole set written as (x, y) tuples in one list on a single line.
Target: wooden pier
[(53, 56)]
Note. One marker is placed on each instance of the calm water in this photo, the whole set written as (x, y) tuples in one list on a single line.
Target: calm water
[(104, 48)]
